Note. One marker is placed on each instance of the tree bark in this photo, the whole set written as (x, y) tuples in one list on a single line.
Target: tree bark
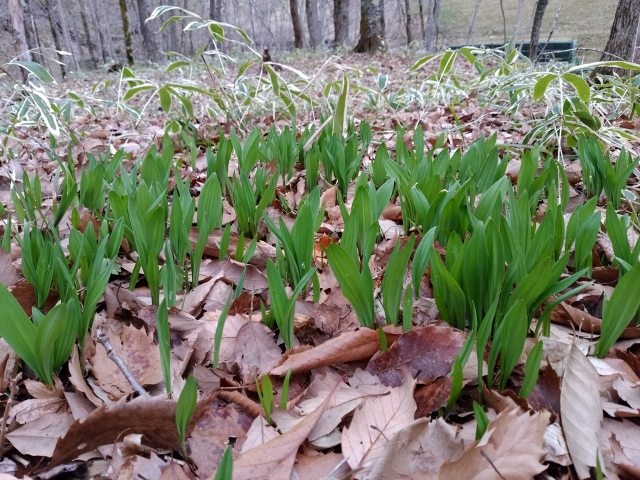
[(87, 34), (340, 22), (298, 37), (541, 6), (29, 30), (147, 35), (315, 32), (407, 7), (125, 29), (371, 26), (54, 34), (472, 27), (432, 25), (67, 35), (103, 54), (106, 36), (19, 37), (622, 38), (422, 30)]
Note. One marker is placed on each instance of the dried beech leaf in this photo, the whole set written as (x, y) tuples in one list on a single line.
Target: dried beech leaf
[(428, 352), (255, 350), (8, 275), (274, 459), (376, 421), (348, 347), (153, 417), (581, 411), (418, 451), (512, 445), (38, 438)]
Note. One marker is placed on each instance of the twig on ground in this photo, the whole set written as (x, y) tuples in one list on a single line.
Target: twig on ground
[(248, 405), (102, 338), (12, 393)]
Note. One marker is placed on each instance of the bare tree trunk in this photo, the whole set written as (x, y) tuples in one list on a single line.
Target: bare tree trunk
[(504, 22), (407, 7), (315, 34), (622, 38), (87, 34), (541, 6), (371, 26), (125, 28), (147, 35), (67, 35), (29, 31), (432, 24), (472, 26), (298, 36), (54, 34), (341, 22), (422, 30), (518, 17), (20, 46), (101, 47), (107, 35)]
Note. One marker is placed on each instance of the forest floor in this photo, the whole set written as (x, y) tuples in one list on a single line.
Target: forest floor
[(435, 275)]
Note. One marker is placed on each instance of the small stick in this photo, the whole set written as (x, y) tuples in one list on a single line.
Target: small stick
[(102, 338), (248, 405), (12, 394)]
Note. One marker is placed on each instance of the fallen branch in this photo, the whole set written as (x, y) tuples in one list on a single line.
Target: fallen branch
[(248, 405), (102, 338), (12, 393)]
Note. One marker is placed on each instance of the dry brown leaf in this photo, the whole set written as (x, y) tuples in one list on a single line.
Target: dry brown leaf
[(320, 466), (428, 352), (79, 405), (581, 411), (260, 432), (512, 446), (274, 459), (256, 351), (376, 421), (629, 391), (254, 279), (348, 347), (211, 436), (418, 451), (153, 417), (176, 472), (197, 296), (38, 438), (77, 380), (624, 438), (140, 354), (8, 274)]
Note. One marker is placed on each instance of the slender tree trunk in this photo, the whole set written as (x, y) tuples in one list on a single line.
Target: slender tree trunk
[(422, 30), (518, 17), (29, 31), (622, 38), (107, 34), (147, 35), (54, 34), (103, 54), (20, 46), (371, 26), (541, 6), (407, 7), (87, 34), (67, 35), (341, 22), (315, 32), (125, 29), (298, 36), (472, 26), (432, 25)]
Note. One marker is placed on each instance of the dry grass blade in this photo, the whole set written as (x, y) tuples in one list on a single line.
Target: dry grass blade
[(581, 411)]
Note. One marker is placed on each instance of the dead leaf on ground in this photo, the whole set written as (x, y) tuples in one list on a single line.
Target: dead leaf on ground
[(153, 417), (8, 274), (376, 421), (418, 451), (256, 351), (512, 445), (275, 458), (581, 411), (428, 352), (39, 438)]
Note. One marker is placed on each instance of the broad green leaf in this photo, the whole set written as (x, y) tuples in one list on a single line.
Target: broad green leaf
[(581, 86), (542, 84), (186, 406), (531, 370), (38, 70)]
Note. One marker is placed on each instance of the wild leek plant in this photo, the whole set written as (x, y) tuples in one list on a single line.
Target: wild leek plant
[(185, 409), (599, 172), (342, 161), (393, 280), (282, 306), (619, 310), (283, 148), (244, 198), (617, 227), (44, 343), (265, 394), (209, 217), (218, 163), (39, 254), (299, 242)]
